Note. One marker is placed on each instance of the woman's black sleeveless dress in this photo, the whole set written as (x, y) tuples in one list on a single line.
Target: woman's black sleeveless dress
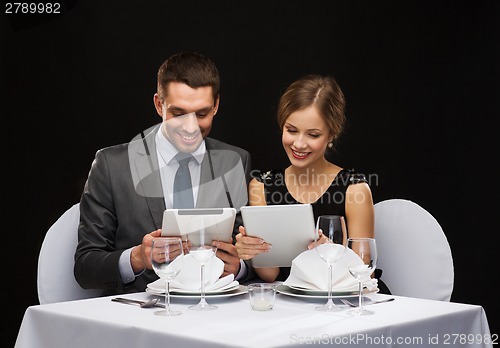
[(332, 202)]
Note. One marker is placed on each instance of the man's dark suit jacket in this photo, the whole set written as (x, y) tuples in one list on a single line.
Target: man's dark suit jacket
[(123, 200)]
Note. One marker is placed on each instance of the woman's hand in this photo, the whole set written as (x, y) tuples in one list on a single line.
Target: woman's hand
[(322, 239), (247, 247)]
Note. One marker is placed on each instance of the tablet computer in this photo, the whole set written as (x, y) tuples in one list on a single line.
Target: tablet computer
[(288, 228), (217, 222)]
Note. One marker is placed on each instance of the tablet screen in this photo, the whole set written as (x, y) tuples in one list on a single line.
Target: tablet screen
[(218, 222), (288, 228)]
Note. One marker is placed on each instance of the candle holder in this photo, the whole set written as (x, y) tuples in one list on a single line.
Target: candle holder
[(261, 296)]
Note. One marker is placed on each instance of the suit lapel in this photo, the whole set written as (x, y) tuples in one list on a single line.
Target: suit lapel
[(147, 181), (206, 175), (211, 192)]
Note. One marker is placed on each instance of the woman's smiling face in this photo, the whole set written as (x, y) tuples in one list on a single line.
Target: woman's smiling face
[(305, 137)]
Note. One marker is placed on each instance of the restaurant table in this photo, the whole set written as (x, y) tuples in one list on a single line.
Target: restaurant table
[(293, 322)]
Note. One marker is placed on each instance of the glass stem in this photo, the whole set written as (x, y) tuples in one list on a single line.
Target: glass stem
[(330, 276), (167, 299), (202, 282), (360, 304)]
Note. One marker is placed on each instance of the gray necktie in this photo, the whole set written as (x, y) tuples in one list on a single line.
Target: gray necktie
[(183, 190)]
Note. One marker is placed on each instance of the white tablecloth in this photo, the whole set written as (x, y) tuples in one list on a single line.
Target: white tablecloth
[(293, 322)]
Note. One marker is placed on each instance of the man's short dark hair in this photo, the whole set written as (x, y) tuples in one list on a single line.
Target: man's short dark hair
[(190, 68)]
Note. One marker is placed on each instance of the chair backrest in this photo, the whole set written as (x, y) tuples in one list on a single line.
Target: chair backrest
[(55, 279), (414, 254)]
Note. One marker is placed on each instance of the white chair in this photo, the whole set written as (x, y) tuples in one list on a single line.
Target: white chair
[(55, 279), (414, 254)]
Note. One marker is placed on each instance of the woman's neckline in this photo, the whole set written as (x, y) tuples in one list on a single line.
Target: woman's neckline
[(335, 174)]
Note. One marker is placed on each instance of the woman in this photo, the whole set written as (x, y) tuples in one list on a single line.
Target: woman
[(311, 116)]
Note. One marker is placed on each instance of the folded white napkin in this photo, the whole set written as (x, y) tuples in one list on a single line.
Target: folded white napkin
[(189, 278), (310, 272)]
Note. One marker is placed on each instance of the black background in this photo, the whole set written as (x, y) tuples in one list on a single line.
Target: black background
[(421, 79)]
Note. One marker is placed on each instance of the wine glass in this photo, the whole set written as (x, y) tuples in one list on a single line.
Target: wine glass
[(366, 249), (166, 258), (331, 237), (202, 247)]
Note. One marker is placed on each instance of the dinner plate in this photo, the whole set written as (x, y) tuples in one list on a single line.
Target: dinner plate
[(239, 290), (320, 292), (229, 287), (287, 290)]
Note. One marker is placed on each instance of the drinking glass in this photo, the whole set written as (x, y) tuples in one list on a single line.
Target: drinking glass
[(202, 248), (330, 249), (166, 258), (366, 248)]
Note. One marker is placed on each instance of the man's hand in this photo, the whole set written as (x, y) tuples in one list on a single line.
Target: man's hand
[(140, 257), (227, 253)]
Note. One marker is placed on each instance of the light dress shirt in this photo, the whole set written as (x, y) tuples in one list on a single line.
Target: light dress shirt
[(168, 166)]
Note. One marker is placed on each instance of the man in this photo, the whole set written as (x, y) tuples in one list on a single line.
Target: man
[(130, 185)]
